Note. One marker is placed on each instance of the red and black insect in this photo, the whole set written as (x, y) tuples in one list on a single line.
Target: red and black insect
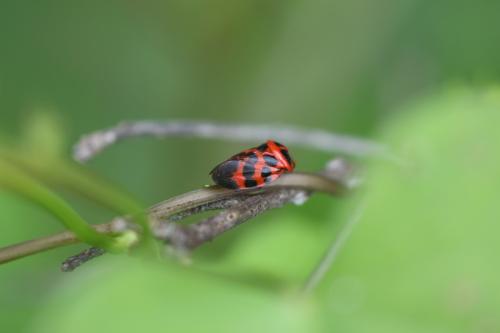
[(254, 167)]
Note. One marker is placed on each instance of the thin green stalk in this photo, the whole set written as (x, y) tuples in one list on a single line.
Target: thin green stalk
[(76, 179), (20, 183)]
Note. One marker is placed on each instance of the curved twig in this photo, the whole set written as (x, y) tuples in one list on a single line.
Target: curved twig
[(93, 143)]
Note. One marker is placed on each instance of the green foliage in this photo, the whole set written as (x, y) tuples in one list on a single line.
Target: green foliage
[(423, 257), (420, 260), (296, 246), (132, 296)]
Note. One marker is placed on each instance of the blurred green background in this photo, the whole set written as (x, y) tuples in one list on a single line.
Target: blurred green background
[(413, 74)]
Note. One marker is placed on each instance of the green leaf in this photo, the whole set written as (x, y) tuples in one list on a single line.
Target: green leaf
[(424, 257), (277, 249), (133, 296)]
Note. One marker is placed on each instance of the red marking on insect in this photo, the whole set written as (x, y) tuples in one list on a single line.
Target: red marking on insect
[(254, 167)]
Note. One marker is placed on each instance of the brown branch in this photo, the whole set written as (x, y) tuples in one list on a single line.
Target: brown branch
[(20, 250), (187, 204), (188, 237), (38, 245)]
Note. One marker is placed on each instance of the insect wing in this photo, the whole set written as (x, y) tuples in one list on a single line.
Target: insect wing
[(223, 174)]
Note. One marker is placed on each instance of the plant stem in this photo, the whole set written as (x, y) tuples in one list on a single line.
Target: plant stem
[(22, 184), (331, 254), (188, 202)]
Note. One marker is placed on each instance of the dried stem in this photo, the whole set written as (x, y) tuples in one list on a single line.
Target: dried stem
[(91, 144), (75, 261), (188, 237), (38, 245), (191, 203), (30, 247)]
